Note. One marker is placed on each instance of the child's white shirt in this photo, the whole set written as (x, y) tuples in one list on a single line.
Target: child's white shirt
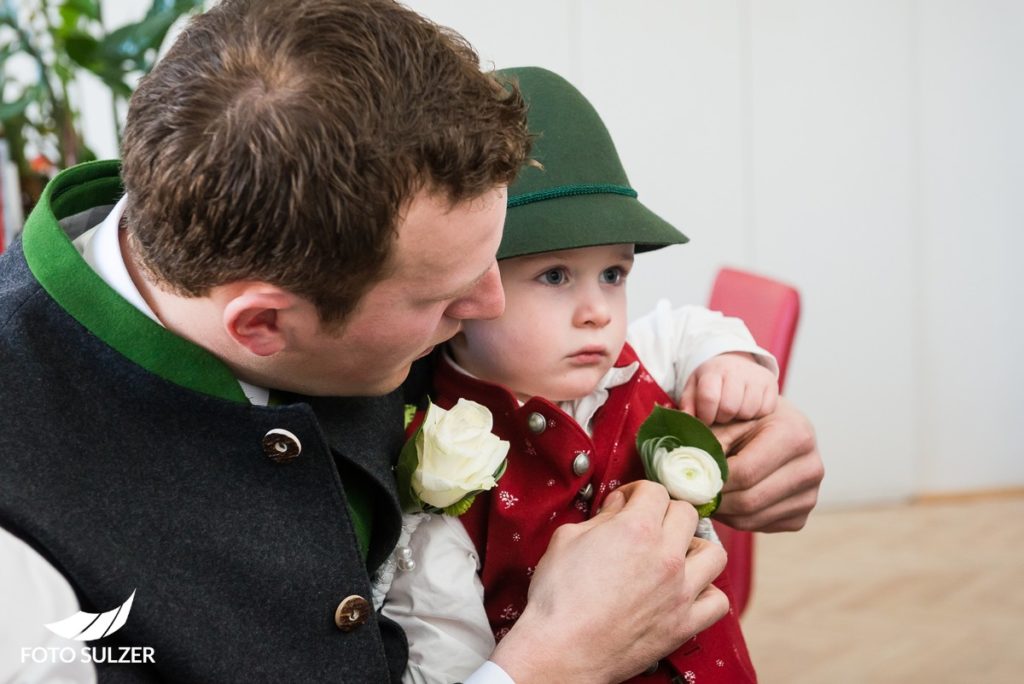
[(439, 599)]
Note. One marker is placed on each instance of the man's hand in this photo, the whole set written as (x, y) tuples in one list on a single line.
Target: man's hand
[(730, 386), (614, 594), (775, 471)]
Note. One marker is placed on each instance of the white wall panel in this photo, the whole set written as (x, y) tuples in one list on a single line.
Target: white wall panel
[(508, 34), (666, 82), (973, 244), (832, 207)]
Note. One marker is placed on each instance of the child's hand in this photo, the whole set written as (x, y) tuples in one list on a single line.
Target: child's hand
[(729, 387)]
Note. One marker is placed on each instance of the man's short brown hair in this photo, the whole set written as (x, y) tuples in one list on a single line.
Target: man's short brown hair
[(278, 140)]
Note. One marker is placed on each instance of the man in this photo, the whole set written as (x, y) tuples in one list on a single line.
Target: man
[(202, 395)]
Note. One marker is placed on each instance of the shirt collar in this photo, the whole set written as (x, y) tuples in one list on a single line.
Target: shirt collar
[(100, 246), (86, 297)]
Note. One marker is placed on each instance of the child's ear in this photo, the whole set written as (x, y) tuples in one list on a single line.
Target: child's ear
[(254, 318)]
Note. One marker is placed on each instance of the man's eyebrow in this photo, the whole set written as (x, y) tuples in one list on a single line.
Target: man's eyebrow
[(455, 294)]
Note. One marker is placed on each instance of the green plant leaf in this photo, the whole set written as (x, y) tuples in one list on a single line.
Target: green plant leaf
[(705, 510), (16, 108), (74, 14), (7, 50), (179, 6), (688, 430), (461, 506), (83, 49), (8, 13), (410, 413), (87, 53), (132, 41), (85, 153), (89, 9), (408, 460)]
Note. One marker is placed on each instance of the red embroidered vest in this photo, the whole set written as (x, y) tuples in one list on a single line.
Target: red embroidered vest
[(512, 525)]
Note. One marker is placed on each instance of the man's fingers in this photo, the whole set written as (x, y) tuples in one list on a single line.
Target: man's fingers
[(644, 495), (788, 515), (732, 435), (704, 562), (770, 399), (711, 606), (613, 503), (680, 522), (782, 501)]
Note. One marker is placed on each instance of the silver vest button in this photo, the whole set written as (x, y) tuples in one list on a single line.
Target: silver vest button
[(537, 423), (581, 464), (587, 493)]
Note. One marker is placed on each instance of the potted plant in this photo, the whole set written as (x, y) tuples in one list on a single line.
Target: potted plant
[(57, 41)]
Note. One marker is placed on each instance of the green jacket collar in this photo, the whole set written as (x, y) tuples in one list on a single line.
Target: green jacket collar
[(59, 268)]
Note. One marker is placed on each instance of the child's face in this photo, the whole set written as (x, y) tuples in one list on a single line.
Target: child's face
[(563, 327)]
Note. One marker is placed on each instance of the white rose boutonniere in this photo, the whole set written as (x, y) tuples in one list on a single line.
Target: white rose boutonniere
[(681, 453), (451, 458)]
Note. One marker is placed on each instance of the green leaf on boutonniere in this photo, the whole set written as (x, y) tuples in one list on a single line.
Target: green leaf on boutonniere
[(408, 460), (669, 430), (410, 413)]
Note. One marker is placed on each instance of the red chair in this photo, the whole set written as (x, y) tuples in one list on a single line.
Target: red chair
[(771, 311)]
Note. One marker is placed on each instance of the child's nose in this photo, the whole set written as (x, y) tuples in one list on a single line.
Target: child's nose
[(593, 311)]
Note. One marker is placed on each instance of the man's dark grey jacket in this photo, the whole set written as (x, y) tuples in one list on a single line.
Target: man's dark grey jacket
[(131, 462)]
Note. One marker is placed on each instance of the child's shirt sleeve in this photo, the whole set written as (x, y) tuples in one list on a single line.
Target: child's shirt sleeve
[(439, 603), (671, 343)]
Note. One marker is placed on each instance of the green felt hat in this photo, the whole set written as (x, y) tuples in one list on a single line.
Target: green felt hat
[(581, 196)]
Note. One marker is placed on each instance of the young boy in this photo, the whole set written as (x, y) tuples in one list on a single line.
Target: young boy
[(569, 393)]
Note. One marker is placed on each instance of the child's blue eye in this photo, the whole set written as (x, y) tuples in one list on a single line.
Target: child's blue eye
[(555, 276), (612, 276)]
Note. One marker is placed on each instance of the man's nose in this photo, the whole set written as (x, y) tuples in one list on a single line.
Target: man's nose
[(487, 300)]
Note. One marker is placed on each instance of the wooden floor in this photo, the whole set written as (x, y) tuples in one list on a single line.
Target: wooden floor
[(919, 593)]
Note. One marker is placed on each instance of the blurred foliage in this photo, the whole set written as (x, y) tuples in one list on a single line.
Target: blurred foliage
[(61, 39)]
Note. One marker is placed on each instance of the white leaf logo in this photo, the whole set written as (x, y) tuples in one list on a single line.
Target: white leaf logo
[(91, 626)]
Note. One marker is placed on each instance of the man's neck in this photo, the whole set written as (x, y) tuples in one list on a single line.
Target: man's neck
[(194, 318), (197, 319)]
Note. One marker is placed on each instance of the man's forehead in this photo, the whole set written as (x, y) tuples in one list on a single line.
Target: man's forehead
[(437, 242)]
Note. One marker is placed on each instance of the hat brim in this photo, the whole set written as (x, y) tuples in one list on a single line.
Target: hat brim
[(584, 221)]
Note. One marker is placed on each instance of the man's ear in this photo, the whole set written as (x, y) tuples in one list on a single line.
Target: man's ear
[(254, 318)]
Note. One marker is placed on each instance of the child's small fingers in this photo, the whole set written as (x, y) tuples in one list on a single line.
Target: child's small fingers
[(731, 401), (709, 393), (753, 401), (686, 399)]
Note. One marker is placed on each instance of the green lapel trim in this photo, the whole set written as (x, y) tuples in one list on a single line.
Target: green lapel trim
[(360, 506), (63, 273)]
